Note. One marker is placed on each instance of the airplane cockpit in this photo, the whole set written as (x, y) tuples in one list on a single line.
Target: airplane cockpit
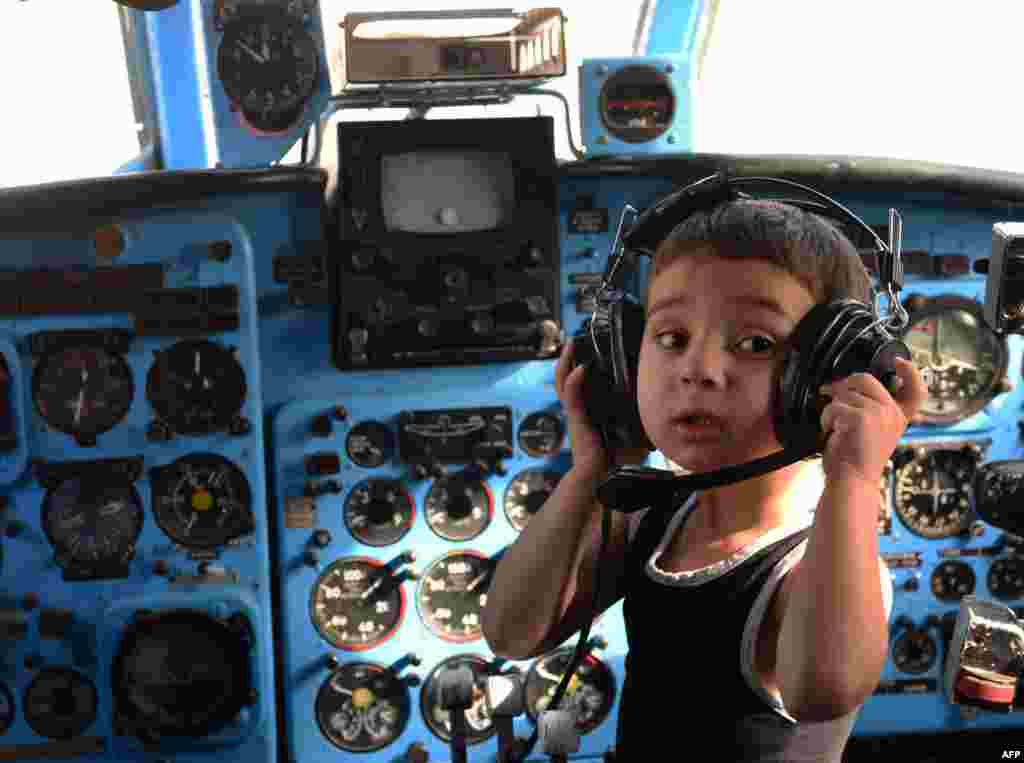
[(278, 370)]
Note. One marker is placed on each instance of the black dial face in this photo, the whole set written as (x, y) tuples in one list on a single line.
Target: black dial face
[(452, 595), (357, 604), (379, 512), (457, 508), (370, 444), (60, 703), (589, 694), (952, 580), (541, 434), (960, 359), (479, 724), (92, 524), (914, 652), (202, 501), (363, 707), (933, 493), (1006, 578), (637, 104), (83, 391), (269, 65), (181, 674), (197, 387), (526, 493)]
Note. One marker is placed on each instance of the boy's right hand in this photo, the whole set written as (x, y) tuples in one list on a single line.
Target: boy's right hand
[(588, 454)]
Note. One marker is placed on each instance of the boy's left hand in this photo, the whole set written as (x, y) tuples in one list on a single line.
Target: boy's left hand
[(866, 421)]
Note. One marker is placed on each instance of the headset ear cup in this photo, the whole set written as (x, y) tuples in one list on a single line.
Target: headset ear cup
[(795, 408), (833, 341), (628, 323)]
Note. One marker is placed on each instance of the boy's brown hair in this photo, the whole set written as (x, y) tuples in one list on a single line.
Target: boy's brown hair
[(805, 245)]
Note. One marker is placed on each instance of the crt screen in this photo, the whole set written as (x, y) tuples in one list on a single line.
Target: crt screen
[(446, 191)]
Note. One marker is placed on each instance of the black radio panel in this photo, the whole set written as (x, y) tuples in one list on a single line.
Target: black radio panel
[(448, 250)]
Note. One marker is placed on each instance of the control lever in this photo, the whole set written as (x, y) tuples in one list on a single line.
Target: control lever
[(505, 698), (559, 736), (455, 692)]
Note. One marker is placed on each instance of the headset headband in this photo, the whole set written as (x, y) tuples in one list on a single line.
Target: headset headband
[(656, 224)]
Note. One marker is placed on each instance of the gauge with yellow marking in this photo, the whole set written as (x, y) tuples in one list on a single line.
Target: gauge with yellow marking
[(363, 707), (202, 500)]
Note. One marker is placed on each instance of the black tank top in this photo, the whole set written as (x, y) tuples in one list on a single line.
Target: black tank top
[(684, 683)]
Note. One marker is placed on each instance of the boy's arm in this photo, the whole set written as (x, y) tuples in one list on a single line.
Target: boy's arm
[(834, 636)]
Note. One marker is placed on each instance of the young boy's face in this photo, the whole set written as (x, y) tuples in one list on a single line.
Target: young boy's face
[(715, 352)]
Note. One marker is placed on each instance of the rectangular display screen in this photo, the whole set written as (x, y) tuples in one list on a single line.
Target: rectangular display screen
[(447, 191)]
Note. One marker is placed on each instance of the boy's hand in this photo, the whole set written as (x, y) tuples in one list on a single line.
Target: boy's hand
[(865, 422)]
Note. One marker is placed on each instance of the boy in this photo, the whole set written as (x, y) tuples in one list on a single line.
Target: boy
[(742, 634)]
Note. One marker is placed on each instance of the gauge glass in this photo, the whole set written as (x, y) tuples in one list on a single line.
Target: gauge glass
[(197, 387), (363, 707), (357, 604), (269, 65), (202, 501), (60, 703), (453, 593), (960, 359), (479, 723), (637, 104), (379, 512), (933, 493), (83, 391), (590, 692), (92, 523)]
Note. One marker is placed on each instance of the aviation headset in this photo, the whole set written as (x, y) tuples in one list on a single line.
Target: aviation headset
[(832, 341)]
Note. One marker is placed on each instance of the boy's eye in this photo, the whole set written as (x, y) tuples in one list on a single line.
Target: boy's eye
[(762, 343)]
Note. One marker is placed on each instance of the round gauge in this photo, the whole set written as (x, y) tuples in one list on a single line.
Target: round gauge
[(1006, 578), (269, 66), (379, 512), (590, 693), (60, 703), (357, 603), (914, 652), (933, 493), (196, 386), (182, 674), (637, 104), (91, 523), (370, 444), (541, 434), (202, 501), (363, 707), (526, 493), (952, 580), (961, 360), (458, 508), (83, 391), (6, 708), (479, 724), (452, 595)]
